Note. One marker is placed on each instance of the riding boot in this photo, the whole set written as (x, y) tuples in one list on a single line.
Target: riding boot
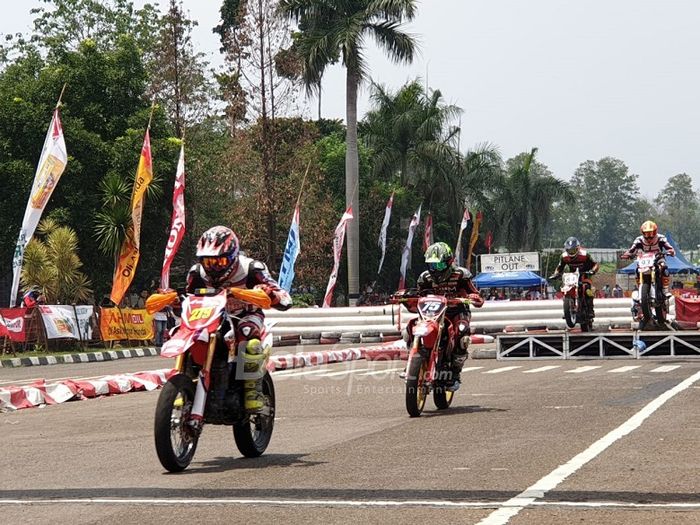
[(666, 281), (255, 358), (458, 360)]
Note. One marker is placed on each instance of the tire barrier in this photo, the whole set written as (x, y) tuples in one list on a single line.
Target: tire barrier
[(344, 323)]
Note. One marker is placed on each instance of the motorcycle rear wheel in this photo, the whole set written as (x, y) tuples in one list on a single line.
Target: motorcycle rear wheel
[(175, 440), (416, 390), (570, 311), (253, 433)]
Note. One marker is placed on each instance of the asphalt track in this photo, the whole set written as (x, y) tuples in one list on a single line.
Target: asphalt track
[(601, 441)]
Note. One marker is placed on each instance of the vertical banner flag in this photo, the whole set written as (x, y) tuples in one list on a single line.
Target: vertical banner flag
[(177, 224), (129, 253), (406, 255), (382, 233), (291, 251), (473, 238), (462, 227), (52, 163), (338, 240), (428, 233), (489, 240)]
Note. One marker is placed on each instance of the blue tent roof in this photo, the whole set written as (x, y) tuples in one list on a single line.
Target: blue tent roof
[(508, 279), (676, 264)]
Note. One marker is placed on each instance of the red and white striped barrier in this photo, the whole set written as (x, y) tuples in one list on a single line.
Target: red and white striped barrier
[(42, 393)]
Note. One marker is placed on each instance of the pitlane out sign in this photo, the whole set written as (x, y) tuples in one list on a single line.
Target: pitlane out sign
[(510, 262)]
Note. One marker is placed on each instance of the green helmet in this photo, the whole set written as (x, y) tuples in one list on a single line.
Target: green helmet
[(439, 259)]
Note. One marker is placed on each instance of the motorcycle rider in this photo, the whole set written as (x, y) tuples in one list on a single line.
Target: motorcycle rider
[(222, 266), (445, 278), (651, 241), (577, 258)]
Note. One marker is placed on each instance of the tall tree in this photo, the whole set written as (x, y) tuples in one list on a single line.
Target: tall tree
[(340, 27), (679, 210), (523, 201)]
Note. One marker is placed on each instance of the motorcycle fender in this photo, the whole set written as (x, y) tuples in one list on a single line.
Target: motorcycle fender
[(181, 341), (428, 331)]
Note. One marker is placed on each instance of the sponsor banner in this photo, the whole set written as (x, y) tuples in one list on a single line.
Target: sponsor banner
[(382, 233), (12, 324), (338, 241), (177, 227), (406, 255), (428, 233), (291, 252), (462, 226), (52, 162), (64, 322), (129, 253), (510, 262), (125, 323)]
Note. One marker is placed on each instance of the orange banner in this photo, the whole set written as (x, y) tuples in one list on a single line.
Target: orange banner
[(120, 324), (129, 253)]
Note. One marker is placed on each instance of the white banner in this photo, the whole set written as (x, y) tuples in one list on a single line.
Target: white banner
[(406, 255), (52, 162), (60, 322), (462, 227), (177, 228), (338, 241), (510, 262), (291, 252), (382, 233)]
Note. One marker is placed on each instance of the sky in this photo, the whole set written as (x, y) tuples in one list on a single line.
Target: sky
[(578, 80)]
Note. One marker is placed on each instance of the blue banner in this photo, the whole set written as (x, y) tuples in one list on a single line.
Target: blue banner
[(291, 251)]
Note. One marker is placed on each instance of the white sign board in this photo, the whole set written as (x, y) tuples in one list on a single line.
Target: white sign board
[(60, 321), (510, 262)]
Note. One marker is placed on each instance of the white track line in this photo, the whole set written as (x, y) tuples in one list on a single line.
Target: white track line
[(385, 371), (341, 503), (344, 372), (514, 505), (622, 369), (541, 369), (581, 369), (502, 369), (470, 368), (666, 368)]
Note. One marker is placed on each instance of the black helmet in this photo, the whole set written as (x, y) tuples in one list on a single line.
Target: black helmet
[(572, 245), (439, 258)]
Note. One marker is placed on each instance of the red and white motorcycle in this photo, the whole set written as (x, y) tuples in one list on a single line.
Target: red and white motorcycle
[(207, 387)]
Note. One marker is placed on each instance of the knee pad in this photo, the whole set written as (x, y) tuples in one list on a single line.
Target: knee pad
[(254, 357), (464, 344)]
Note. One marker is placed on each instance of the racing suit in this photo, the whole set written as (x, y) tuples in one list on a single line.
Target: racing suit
[(659, 246), (586, 266), (457, 284), (249, 321)]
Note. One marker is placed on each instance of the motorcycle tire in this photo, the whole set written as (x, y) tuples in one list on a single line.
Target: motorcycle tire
[(570, 311), (443, 397), (661, 309), (645, 301), (416, 391), (175, 440), (253, 433)]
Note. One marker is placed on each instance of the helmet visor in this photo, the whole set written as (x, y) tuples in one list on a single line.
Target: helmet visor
[(216, 264), (572, 250), (438, 266), (648, 234)]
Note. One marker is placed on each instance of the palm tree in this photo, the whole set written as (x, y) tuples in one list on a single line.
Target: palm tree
[(51, 264), (523, 200), (332, 28)]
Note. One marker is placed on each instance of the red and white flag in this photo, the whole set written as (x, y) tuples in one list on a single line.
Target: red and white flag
[(338, 240), (406, 255), (177, 224), (428, 233), (463, 226), (52, 163), (382, 233)]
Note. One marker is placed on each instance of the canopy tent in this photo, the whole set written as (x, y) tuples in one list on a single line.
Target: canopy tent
[(509, 280), (675, 264)]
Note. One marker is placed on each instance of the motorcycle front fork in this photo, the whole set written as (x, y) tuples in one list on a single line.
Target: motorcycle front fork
[(203, 385)]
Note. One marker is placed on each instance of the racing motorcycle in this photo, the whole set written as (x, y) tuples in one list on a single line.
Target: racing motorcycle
[(649, 304), (575, 307), (206, 387), (430, 355)]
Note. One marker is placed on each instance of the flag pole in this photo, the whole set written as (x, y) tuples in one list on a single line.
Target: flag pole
[(60, 97), (303, 182)]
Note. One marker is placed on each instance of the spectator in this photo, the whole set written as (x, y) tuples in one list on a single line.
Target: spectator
[(606, 290), (161, 322), (141, 300), (617, 291), (33, 297)]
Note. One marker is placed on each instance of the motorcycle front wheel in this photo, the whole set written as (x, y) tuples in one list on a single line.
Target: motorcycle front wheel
[(416, 390), (570, 308), (253, 433), (645, 301), (661, 308), (176, 441)]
